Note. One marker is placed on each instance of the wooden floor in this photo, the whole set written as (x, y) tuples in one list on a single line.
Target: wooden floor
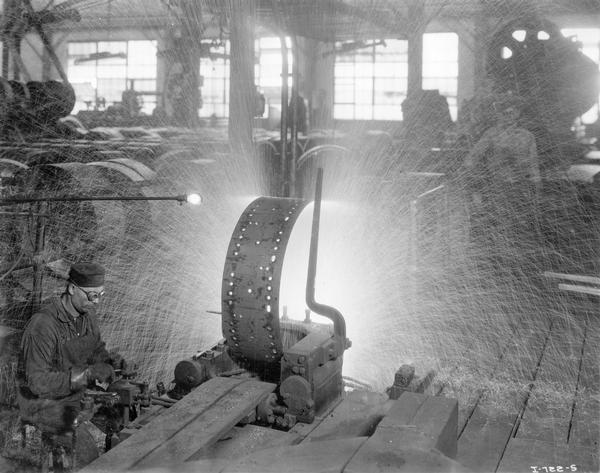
[(552, 417)]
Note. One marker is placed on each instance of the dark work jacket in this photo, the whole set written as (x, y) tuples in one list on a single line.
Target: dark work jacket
[(51, 346)]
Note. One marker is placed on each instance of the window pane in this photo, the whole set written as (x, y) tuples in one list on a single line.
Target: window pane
[(107, 77), (343, 112), (364, 91), (364, 70), (440, 66), (590, 46), (390, 91), (363, 112), (375, 75), (108, 71), (111, 89), (387, 112), (344, 69), (141, 52), (344, 93), (440, 47), (440, 69), (446, 86)]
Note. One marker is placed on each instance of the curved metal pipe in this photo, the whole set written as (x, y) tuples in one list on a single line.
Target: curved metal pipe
[(339, 324), (316, 149)]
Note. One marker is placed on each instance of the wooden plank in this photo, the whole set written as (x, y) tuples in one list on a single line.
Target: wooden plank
[(589, 379), (550, 405), (162, 428), (208, 427), (325, 457), (487, 432), (356, 416), (304, 430), (143, 419), (382, 457), (243, 440), (585, 426), (417, 434), (509, 387), (523, 454), (464, 392), (483, 441), (433, 424)]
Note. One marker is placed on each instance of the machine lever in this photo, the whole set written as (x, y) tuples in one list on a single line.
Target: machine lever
[(339, 324)]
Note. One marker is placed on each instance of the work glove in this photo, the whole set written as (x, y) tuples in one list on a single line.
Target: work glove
[(101, 372)]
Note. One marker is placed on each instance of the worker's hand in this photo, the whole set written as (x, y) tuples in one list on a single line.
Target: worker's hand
[(117, 361), (101, 372), (79, 378)]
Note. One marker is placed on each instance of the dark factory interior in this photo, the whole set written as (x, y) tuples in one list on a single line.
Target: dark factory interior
[(299, 236)]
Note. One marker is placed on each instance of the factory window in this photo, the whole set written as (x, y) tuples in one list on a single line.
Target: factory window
[(267, 75), (101, 70), (267, 69), (370, 82), (590, 46), (440, 66), (214, 70)]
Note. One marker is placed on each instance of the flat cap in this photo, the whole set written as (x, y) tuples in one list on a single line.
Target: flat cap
[(87, 274)]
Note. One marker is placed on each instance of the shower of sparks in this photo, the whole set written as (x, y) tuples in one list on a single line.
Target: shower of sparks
[(416, 278)]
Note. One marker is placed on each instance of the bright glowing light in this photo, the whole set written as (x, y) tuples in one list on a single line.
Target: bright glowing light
[(543, 36), (519, 35), (194, 199)]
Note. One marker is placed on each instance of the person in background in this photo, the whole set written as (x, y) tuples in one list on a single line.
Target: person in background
[(320, 116), (260, 103), (130, 100), (62, 353), (502, 173), (506, 152), (300, 113)]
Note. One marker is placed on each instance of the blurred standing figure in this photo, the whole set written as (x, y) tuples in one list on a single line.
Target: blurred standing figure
[(507, 151), (503, 175), (300, 113), (320, 115)]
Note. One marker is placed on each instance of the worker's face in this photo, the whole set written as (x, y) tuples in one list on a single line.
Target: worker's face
[(84, 298), (508, 115)]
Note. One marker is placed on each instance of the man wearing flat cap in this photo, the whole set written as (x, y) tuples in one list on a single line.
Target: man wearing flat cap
[(62, 352)]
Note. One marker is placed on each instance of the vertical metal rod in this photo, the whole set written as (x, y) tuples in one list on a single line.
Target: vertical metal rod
[(38, 263), (294, 128), (339, 324), (284, 123)]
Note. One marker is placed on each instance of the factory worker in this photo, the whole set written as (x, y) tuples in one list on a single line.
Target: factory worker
[(62, 352), (503, 176), (506, 152)]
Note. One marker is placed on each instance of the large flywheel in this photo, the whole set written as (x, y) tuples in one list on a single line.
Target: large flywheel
[(251, 283), (529, 56)]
